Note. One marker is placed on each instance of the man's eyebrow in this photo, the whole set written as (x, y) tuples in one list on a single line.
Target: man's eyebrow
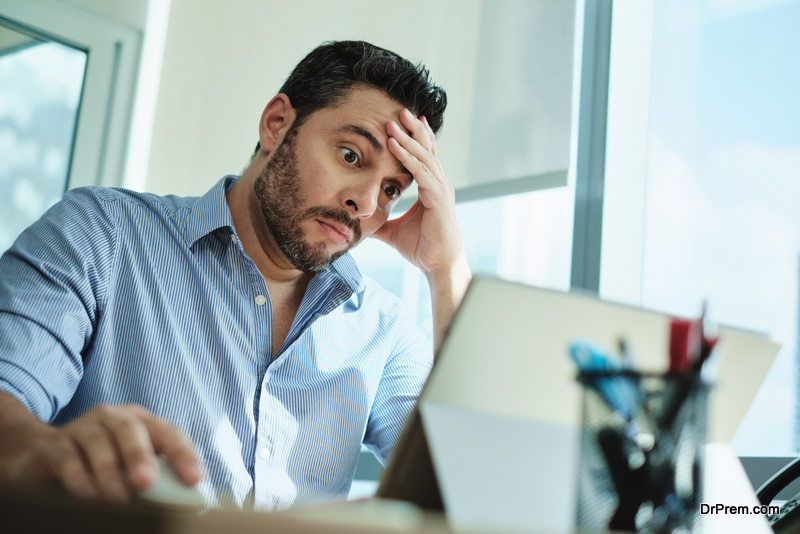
[(366, 134), (373, 141)]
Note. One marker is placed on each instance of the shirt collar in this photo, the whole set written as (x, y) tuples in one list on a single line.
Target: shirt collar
[(347, 270), (210, 212)]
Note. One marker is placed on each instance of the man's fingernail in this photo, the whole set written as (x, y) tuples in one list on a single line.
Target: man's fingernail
[(194, 471)]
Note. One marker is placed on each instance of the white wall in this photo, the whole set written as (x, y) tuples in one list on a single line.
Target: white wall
[(223, 61)]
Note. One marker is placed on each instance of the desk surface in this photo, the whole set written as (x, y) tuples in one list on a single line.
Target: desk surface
[(46, 513)]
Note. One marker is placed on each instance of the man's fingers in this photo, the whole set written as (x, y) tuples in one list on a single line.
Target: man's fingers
[(410, 144), (432, 188), (432, 137), (66, 464), (101, 454), (417, 129), (429, 130), (426, 160), (133, 441), (171, 442), (420, 173)]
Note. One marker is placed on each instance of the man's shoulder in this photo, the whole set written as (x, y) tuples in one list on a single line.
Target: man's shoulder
[(380, 300), (126, 208), (390, 313), (374, 291), (128, 198)]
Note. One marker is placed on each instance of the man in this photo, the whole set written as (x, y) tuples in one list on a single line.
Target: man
[(232, 333)]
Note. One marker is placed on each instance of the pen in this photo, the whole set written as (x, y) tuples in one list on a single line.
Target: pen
[(618, 391)]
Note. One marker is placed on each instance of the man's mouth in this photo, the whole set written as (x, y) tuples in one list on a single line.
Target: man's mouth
[(338, 233)]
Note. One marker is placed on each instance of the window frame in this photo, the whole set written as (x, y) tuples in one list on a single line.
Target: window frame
[(622, 240), (102, 127)]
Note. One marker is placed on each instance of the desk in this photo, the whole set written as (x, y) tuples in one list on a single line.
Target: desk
[(49, 513), (55, 513)]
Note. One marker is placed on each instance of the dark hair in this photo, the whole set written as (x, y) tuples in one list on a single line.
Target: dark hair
[(329, 72)]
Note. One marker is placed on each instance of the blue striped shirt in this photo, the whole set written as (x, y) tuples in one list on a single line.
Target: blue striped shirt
[(120, 297)]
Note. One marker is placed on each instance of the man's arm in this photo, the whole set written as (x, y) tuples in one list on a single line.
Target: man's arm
[(402, 379), (447, 290), (102, 454), (52, 282), (427, 234)]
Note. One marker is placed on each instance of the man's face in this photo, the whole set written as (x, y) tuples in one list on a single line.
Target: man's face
[(332, 181)]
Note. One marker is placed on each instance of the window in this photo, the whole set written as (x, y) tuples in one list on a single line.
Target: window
[(66, 86), (712, 128), (723, 185), (41, 82)]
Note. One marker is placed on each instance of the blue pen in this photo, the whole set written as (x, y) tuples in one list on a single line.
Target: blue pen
[(619, 392)]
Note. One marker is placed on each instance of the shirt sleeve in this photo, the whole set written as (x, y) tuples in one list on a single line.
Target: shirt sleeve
[(401, 382), (52, 281)]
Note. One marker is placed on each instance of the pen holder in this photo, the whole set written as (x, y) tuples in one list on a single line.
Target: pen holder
[(642, 437)]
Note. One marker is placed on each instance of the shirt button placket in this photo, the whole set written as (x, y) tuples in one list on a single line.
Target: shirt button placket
[(262, 452), (263, 491)]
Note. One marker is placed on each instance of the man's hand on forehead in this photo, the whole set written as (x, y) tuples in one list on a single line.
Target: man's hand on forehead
[(427, 235), (409, 134)]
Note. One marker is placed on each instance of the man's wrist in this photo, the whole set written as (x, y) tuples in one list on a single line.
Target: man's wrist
[(21, 440), (447, 289), (19, 432), (450, 280)]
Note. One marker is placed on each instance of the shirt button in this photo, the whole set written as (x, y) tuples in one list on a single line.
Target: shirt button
[(233, 238), (263, 453), (260, 300)]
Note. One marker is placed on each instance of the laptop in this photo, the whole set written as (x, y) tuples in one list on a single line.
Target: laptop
[(493, 440)]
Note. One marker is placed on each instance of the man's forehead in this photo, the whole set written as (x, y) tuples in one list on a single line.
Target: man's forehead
[(371, 106), (365, 133)]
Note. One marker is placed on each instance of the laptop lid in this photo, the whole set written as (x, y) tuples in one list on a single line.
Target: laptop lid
[(505, 357)]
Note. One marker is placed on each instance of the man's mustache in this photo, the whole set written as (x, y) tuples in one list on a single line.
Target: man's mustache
[(336, 215)]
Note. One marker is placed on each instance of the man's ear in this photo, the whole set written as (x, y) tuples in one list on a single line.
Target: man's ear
[(276, 119)]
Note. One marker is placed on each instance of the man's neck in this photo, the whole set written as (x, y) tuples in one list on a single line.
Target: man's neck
[(256, 239)]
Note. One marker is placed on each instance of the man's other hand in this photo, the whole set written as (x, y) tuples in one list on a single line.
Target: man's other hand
[(427, 234), (105, 454)]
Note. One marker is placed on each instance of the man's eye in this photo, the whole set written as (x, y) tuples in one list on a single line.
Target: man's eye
[(391, 190), (349, 156)]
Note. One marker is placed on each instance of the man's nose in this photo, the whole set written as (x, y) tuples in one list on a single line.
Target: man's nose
[(361, 201)]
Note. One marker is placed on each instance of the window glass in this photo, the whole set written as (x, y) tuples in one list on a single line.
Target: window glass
[(723, 184), (525, 238), (40, 92)]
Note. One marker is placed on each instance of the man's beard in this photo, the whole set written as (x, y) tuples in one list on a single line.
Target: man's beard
[(281, 198)]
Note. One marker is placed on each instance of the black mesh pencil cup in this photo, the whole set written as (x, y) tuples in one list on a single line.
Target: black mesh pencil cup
[(640, 466)]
